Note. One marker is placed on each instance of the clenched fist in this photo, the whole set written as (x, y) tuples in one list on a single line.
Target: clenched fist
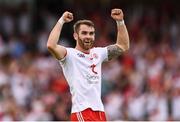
[(67, 17), (117, 14)]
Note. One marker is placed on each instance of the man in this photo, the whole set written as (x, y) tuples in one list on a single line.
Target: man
[(82, 65)]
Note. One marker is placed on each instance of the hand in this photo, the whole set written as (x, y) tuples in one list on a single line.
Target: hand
[(117, 14), (67, 17)]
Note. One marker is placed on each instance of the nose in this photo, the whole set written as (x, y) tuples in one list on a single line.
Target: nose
[(88, 36)]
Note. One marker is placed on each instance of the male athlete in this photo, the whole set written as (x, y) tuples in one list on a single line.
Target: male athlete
[(82, 65)]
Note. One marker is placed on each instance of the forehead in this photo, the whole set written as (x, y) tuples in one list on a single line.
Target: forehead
[(84, 27)]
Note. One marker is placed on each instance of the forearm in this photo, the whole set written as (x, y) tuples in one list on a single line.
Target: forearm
[(55, 34), (122, 36)]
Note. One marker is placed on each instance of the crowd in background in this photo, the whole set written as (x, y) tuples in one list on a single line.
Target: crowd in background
[(142, 84)]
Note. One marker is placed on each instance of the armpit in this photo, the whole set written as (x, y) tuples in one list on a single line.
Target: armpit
[(114, 51)]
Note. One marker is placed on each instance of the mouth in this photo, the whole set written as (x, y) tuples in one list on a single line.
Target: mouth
[(88, 42)]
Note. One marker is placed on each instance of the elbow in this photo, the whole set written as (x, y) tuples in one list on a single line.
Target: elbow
[(127, 47), (124, 47), (50, 46)]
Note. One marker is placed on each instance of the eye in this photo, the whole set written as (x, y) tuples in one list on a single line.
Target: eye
[(91, 33), (84, 32)]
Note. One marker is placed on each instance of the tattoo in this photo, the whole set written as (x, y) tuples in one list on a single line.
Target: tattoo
[(114, 51)]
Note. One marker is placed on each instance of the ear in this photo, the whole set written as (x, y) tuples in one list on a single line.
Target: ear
[(75, 35)]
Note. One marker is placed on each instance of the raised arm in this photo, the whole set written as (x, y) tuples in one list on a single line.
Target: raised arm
[(122, 42), (58, 51)]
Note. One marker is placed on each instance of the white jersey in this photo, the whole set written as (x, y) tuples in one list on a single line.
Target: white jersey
[(83, 74)]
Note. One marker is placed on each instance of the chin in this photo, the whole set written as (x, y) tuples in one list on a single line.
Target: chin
[(87, 48)]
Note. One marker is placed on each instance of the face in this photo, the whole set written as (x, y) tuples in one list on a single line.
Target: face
[(85, 37)]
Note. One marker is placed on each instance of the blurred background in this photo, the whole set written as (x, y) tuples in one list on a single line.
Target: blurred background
[(142, 84)]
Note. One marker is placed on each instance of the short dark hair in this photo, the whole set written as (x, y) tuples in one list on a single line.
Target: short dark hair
[(81, 22)]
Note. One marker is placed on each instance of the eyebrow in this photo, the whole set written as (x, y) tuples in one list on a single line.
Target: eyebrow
[(88, 31), (92, 32)]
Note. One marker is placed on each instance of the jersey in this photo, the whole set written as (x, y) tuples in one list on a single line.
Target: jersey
[(83, 74)]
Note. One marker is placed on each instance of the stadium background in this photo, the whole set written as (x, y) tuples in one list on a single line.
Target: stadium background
[(143, 84)]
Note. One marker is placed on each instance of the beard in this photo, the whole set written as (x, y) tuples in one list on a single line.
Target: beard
[(86, 43)]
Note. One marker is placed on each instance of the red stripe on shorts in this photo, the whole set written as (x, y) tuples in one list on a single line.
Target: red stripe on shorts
[(88, 115)]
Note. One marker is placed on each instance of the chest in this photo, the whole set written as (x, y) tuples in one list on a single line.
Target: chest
[(87, 59)]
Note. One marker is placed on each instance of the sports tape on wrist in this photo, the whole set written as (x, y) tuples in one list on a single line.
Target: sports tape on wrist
[(120, 22), (61, 21)]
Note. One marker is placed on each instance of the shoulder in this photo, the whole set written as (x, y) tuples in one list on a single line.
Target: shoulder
[(99, 49), (69, 54), (70, 50)]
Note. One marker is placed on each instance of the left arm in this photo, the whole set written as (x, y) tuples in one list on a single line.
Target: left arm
[(122, 42)]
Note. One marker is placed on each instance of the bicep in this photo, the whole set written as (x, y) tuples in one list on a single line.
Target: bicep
[(114, 51), (58, 52)]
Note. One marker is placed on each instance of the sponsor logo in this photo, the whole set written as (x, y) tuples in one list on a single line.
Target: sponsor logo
[(94, 56), (92, 79), (81, 55), (93, 69)]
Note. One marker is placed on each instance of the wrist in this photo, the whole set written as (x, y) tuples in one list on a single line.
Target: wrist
[(120, 22), (61, 21)]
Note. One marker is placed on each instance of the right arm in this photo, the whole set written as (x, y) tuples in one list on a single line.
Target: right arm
[(58, 51)]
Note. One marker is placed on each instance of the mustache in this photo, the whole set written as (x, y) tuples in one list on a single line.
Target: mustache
[(88, 40)]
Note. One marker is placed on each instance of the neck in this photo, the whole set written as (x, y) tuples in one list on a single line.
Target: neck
[(82, 50)]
